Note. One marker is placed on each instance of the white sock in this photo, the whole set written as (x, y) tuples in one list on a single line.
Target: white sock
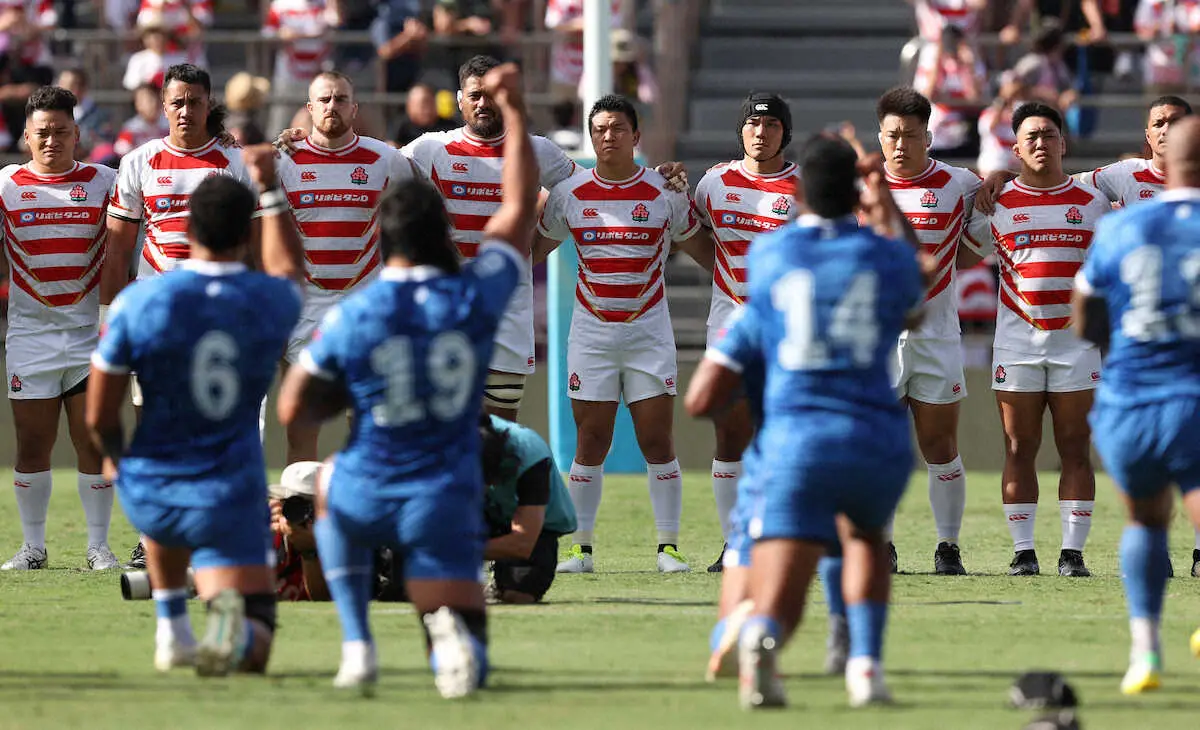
[(948, 498), (262, 422), (1145, 638), (724, 480), (1076, 522), (586, 485), (665, 482), (358, 654), (177, 628), (1197, 539), (33, 502), (1020, 524), (96, 494), (889, 527)]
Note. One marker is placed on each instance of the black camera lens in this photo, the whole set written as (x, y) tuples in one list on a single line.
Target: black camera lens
[(298, 510)]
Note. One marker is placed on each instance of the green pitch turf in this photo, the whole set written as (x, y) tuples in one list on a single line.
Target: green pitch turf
[(622, 649)]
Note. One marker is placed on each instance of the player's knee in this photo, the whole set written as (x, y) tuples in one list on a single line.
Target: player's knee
[(33, 455), (940, 448), (657, 448), (591, 446), (1021, 448), (732, 440)]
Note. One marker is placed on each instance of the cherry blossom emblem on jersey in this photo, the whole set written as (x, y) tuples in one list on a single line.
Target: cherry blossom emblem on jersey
[(929, 199), (1001, 375), (641, 213), (1074, 216), (78, 194), (15, 384), (573, 383), (782, 205), (359, 176)]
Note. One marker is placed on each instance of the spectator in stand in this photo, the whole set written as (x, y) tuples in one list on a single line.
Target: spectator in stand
[(420, 116), (95, 123), (565, 18), (462, 17), (303, 27), (996, 138), (245, 99), (513, 19), (1076, 16), (1042, 72), (952, 77), (400, 39), (1169, 28), (185, 20), (148, 123), (148, 65), (934, 15), (23, 24)]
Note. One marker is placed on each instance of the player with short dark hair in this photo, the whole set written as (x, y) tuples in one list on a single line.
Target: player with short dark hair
[(1139, 294), (410, 353), (54, 212), (826, 300), (203, 339)]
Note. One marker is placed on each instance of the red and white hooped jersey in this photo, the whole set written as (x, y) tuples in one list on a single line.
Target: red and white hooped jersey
[(739, 205), (1128, 181), (466, 170), (1041, 237), (155, 182), (54, 235), (137, 131), (334, 196), (623, 232), (300, 59), (938, 204), (175, 15), (41, 14), (933, 15)]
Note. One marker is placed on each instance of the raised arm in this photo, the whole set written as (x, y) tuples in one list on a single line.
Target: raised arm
[(281, 252), (513, 222)]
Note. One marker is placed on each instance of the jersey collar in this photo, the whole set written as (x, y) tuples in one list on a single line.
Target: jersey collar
[(213, 268), (195, 151), (349, 146), (1179, 194), (493, 142), (789, 169), (605, 182), (812, 220), (424, 272)]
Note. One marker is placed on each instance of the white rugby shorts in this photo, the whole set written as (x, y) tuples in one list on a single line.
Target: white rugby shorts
[(608, 361), (43, 365), (1066, 372), (513, 350), (929, 370)]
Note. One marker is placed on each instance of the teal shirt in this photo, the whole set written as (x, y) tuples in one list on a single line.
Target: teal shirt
[(528, 449)]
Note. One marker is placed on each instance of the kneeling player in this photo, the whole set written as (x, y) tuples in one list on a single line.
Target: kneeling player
[(204, 340), (410, 354), (1144, 269), (528, 508)]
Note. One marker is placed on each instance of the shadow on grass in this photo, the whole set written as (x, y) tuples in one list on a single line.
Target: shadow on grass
[(1009, 674)]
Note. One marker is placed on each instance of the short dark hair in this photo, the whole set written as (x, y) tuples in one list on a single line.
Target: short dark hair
[(476, 67), (903, 101), (188, 74), (828, 169), (51, 99), (1170, 100), (616, 104), (413, 223), (220, 211), (1036, 109)]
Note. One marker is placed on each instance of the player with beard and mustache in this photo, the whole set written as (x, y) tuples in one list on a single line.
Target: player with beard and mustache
[(464, 165), (333, 182)]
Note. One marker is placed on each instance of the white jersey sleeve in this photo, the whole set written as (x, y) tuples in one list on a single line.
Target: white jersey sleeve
[(126, 199), (978, 234), (553, 164), (553, 223)]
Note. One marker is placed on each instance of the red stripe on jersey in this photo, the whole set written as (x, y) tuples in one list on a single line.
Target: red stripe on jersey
[(737, 272), (1148, 176), (723, 285), (48, 246), (55, 300), (167, 160), (1043, 298), (467, 250), (618, 235), (343, 284), (1048, 269), (465, 222), (946, 263), (357, 156), (170, 250), (333, 229), (593, 191), (617, 265), (733, 220), (935, 181), (1053, 323), (178, 224), (783, 186), (463, 149), (1016, 198), (80, 174), (64, 215), (734, 247), (940, 286), (48, 274), (620, 291), (334, 258), (609, 315)]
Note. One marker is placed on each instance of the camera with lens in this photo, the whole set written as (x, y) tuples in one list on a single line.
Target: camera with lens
[(296, 491), (135, 585)]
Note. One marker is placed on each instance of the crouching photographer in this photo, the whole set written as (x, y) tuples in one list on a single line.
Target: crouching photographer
[(527, 507), (298, 575)]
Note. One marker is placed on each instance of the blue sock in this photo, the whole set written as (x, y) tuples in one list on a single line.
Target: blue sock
[(349, 572), (715, 637), (830, 569), (1144, 561), (481, 656), (770, 626), (170, 603), (867, 621)]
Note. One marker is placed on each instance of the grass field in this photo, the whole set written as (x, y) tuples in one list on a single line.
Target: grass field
[(623, 648)]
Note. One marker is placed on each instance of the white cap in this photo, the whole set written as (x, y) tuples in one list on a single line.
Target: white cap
[(298, 480)]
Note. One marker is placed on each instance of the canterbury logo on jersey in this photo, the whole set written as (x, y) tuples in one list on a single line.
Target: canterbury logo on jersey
[(28, 195), (591, 213), (460, 167), (1021, 218), (164, 180), (308, 176)]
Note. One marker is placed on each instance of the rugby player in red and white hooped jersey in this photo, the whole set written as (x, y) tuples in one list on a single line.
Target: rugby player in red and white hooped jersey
[(736, 201), (333, 181), (1040, 230), (53, 209), (625, 222), (153, 184), (928, 371), (464, 165)]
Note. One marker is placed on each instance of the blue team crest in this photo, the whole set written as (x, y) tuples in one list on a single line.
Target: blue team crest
[(589, 235), (1021, 239), (306, 198), (728, 218), (27, 217), (162, 203), (458, 189)]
